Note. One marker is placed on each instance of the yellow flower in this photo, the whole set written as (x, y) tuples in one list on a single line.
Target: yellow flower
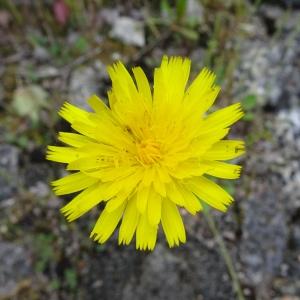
[(148, 153)]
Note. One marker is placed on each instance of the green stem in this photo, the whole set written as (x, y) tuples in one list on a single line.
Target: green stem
[(224, 252), (14, 11)]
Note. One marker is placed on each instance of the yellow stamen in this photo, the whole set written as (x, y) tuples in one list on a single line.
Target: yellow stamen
[(148, 152)]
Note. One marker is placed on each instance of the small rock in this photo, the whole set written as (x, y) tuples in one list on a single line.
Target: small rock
[(271, 12), (295, 238), (41, 189), (290, 289), (264, 233), (183, 272), (15, 270), (41, 54), (35, 176), (194, 10), (160, 266), (108, 15), (268, 68), (5, 18), (197, 57), (47, 72), (129, 31), (100, 68), (273, 198), (1, 96), (287, 3), (286, 131), (84, 82), (9, 158)]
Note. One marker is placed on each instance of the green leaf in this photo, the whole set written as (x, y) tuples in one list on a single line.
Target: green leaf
[(55, 284), (81, 44), (249, 102), (29, 100), (44, 249), (249, 116), (189, 33), (71, 278), (55, 49), (37, 40), (165, 8), (181, 8)]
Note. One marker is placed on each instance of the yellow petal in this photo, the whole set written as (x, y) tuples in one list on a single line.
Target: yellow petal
[(177, 70), (222, 170), (149, 176), (73, 139), (129, 222), (159, 187), (222, 118), (122, 83), (188, 168), (191, 203), (62, 154), (225, 150), (167, 98), (106, 224), (127, 185), (73, 183), (109, 172), (199, 97), (154, 207), (83, 202), (143, 85), (125, 94), (209, 192), (172, 224), (118, 200), (86, 129), (145, 234), (97, 104), (72, 113), (174, 194), (142, 198), (163, 174)]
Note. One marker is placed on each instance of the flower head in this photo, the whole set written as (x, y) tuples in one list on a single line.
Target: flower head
[(148, 153)]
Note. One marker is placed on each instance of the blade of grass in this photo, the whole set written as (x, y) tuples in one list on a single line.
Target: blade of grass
[(14, 11), (224, 252)]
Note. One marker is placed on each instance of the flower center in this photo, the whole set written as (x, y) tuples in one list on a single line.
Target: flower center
[(148, 152)]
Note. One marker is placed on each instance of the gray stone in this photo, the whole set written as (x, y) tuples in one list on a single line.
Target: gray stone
[(264, 233), (9, 158), (15, 270), (274, 195), (286, 131), (40, 189), (192, 271), (161, 266), (179, 274), (109, 15), (128, 31), (41, 54), (84, 82), (46, 71), (295, 236), (268, 68), (1, 95), (194, 10)]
